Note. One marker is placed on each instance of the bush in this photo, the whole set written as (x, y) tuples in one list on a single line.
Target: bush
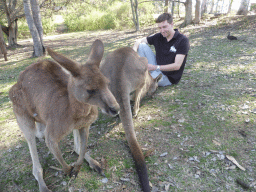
[(95, 20), (23, 30), (117, 16)]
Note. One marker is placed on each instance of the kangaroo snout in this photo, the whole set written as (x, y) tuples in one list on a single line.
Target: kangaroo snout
[(114, 111)]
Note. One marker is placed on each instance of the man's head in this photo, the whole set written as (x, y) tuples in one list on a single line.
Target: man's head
[(164, 17), (165, 25)]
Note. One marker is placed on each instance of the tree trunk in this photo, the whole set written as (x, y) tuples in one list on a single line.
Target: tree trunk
[(229, 6), (134, 6), (217, 6), (13, 31), (33, 18), (203, 8), (2, 45), (173, 5), (212, 6), (166, 4), (198, 12), (244, 7), (12, 26), (188, 13)]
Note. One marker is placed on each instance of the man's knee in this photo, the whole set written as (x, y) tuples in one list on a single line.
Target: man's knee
[(142, 46)]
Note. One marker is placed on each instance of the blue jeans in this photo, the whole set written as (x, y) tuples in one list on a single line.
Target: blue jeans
[(145, 51)]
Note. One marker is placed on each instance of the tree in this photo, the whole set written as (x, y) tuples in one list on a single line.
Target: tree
[(229, 6), (188, 13), (212, 6), (204, 7), (134, 6), (13, 10), (32, 13), (2, 45), (166, 4), (244, 7), (198, 12)]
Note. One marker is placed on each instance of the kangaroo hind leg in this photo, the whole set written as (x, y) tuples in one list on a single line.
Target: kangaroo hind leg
[(52, 142), (77, 148), (27, 125)]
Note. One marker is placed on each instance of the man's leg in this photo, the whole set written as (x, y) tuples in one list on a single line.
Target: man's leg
[(145, 51)]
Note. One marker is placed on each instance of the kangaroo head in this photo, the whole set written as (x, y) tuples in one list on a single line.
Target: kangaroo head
[(87, 84), (154, 84)]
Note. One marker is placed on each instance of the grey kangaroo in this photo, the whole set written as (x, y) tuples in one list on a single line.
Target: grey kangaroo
[(129, 80), (50, 102)]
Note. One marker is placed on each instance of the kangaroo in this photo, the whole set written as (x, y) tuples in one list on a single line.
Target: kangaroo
[(51, 99), (129, 80)]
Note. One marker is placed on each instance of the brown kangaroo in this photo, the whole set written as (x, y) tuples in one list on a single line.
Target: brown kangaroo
[(60, 100), (129, 80)]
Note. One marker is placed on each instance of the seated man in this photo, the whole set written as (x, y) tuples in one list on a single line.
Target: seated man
[(171, 51)]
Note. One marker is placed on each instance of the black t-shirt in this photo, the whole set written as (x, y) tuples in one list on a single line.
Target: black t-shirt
[(167, 51)]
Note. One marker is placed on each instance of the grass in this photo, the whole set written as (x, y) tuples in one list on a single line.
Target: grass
[(209, 114)]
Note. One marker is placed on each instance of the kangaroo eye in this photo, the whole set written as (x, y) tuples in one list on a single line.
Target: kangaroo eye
[(91, 91)]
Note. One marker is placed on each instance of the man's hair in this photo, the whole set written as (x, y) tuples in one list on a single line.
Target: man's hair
[(163, 17)]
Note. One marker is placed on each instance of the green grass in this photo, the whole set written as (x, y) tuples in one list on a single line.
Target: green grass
[(183, 120)]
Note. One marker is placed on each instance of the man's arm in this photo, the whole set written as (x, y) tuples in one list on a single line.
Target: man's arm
[(138, 42), (170, 67)]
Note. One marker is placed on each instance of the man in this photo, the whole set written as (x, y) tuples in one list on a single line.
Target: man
[(171, 51)]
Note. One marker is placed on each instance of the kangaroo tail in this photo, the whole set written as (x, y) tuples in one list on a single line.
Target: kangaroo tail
[(140, 164)]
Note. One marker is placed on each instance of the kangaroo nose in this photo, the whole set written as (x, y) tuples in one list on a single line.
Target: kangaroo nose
[(114, 110)]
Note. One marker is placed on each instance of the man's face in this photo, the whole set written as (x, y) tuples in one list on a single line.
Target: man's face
[(165, 28)]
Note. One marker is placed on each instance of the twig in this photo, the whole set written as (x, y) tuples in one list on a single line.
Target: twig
[(56, 168)]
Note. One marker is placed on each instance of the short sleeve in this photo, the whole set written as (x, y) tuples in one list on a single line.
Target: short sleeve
[(183, 47)]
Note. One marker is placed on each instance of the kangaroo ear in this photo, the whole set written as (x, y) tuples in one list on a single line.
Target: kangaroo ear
[(67, 63), (157, 79), (96, 53)]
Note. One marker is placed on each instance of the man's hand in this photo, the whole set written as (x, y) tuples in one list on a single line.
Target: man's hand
[(138, 42), (151, 67)]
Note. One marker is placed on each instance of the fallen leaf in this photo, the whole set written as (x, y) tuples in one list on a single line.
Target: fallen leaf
[(231, 167), (214, 151), (163, 154), (124, 179), (235, 162)]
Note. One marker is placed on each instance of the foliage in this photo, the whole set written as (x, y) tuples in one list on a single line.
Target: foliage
[(93, 21), (116, 16), (49, 27)]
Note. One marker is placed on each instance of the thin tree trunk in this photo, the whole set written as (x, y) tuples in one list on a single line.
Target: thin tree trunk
[(12, 26), (188, 13), (229, 6), (134, 6), (166, 4), (204, 7), (217, 6), (197, 12), (37, 18), (173, 6), (38, 46), (244, 6), (212, 6), (2, 44)]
